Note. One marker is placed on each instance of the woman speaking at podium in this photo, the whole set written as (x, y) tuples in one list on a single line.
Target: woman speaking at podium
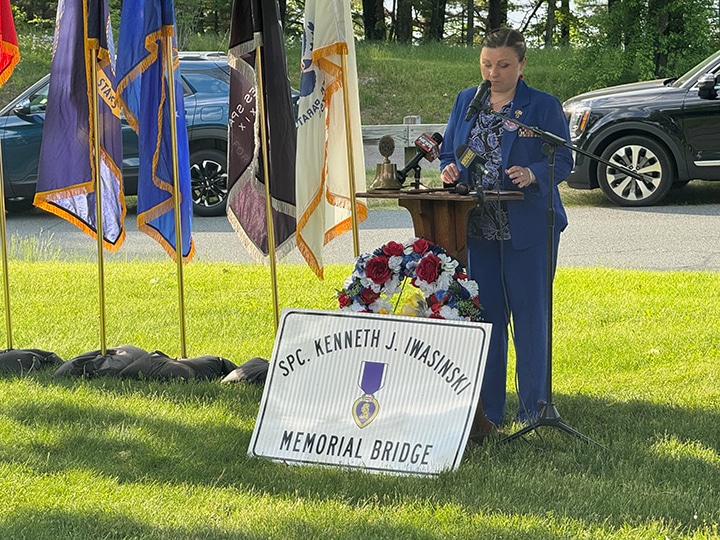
[(507, 240)]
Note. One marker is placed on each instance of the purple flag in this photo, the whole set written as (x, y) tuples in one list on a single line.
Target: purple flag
[(255, 27), (66, 169)]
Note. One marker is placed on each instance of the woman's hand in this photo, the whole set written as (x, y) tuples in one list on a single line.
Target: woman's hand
[(520, 176), (450, 174)]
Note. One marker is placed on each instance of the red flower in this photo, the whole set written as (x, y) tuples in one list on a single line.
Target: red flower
[(428, 268), (393, 249), (420, 246), (378, 270), (434, 304), (344, 300), (368, 296)]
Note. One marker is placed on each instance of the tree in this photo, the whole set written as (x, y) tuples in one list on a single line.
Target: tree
[(550, 23), (404, 21), (470, 20), (497, 14), (374, 20), (433, 11)]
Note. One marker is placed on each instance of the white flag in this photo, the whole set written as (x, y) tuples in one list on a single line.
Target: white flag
[(323, 166)]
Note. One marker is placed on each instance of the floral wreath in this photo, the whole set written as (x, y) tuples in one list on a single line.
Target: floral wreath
[(447, 293)]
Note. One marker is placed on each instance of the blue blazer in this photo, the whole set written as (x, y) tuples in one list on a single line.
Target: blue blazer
[(528, 218)]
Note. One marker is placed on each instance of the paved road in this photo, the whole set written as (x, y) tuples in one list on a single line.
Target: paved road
[(657, 238)]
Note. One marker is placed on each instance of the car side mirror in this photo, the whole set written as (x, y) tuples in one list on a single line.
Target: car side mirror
[(706, 86), (22, 108)]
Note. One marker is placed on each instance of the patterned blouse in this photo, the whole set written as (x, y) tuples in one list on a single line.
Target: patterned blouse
[(486, 140)]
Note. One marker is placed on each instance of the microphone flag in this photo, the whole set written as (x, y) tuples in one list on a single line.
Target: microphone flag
[(325, 125), (471, 160), (428, 148), (66, 168), (256, 27)]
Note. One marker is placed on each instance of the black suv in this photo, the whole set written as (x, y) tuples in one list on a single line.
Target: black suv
[(206, 84), (667, 130)]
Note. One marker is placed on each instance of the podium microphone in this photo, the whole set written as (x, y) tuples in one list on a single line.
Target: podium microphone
[(471, 160), (428, 148), (478, 101)]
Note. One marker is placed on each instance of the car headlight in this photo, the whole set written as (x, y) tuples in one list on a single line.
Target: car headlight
[(579, 116)]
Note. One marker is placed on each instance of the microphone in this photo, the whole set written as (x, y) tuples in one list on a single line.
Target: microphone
[(428, 148), (471, 160), (477, 102)]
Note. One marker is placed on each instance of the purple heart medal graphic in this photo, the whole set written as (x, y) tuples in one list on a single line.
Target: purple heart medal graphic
[(372, 379)]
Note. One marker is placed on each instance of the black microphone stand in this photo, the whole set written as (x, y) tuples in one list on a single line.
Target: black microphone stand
[(549, 415), (402, 176)]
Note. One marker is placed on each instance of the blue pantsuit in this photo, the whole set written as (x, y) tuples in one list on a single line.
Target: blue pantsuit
[(522, 274), (512, 273)]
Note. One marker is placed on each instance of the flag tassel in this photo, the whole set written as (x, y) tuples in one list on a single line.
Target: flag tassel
[(176, 193), (266, 180)]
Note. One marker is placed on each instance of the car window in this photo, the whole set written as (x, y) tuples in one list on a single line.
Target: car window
[(207, 83), (38, 101), (710, 64)]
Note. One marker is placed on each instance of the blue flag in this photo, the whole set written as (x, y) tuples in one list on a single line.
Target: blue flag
[(143, 91), (66, 169)]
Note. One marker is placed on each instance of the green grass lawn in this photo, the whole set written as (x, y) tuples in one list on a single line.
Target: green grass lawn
[(636, 368)]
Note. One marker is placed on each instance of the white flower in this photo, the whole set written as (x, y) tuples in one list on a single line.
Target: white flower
[(451, 314), (381, 305), (470, 285)]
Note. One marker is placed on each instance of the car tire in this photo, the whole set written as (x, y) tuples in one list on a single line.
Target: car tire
[(208, 181), (17, 206), (644, 156)]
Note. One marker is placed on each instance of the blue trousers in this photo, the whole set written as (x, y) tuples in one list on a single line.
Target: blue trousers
[(513, 284)]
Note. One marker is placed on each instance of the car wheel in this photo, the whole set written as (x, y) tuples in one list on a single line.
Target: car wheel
[(16, 206), (641, 155), (208, 181)]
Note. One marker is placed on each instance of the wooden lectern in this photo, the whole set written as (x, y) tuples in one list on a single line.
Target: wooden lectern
[(441, 217)]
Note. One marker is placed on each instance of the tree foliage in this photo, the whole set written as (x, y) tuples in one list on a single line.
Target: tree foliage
[(654, 38)]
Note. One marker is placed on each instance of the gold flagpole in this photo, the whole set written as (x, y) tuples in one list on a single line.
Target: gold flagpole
[(266, 179), (5, 269), (169, 58), (351, 158), (98, 195)]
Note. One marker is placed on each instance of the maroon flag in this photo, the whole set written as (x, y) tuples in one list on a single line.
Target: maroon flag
[(256, 37)]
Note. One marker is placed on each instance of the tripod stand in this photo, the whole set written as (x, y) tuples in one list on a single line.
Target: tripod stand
[(549, 415)]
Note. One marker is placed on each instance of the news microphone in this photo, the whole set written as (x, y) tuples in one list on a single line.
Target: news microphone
[(471, 160), (461, 188), (478, 102), (428, 148)]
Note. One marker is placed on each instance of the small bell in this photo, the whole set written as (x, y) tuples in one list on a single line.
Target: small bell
[(385, 172)]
